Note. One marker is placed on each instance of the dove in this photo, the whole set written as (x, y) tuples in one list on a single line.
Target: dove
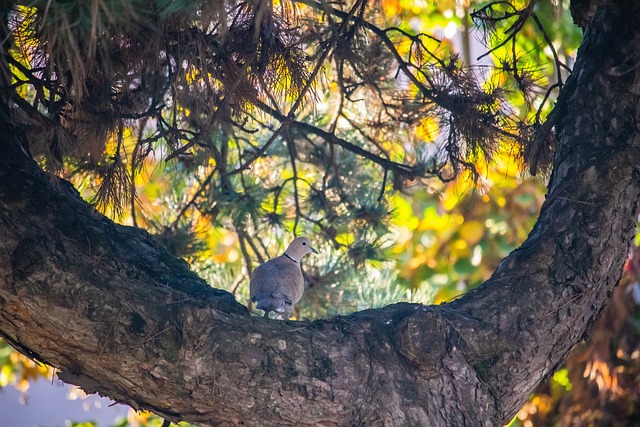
[(277, 285)]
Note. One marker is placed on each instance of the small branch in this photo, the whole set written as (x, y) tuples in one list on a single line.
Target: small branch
[(243, 248), (547, 39), (260, 151), (404, 169), (193, 199), (292, 157), (514, 29), (384, 184)]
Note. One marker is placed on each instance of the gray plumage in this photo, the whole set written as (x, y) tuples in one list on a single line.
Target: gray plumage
[(278, 284)]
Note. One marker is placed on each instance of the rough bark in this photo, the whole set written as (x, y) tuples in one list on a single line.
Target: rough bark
[(118, 316)]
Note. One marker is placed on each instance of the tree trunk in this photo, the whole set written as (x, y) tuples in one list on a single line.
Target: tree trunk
[(118, 316)]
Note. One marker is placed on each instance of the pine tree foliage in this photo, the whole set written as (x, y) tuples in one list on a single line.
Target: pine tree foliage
[(283, 116)]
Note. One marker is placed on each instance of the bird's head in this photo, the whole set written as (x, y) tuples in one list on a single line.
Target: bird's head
[(299, 247)]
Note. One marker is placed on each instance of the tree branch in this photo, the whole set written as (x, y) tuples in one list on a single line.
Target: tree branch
[(148, 332)]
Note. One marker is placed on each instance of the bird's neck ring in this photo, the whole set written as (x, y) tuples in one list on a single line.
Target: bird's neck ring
[(287, 255)]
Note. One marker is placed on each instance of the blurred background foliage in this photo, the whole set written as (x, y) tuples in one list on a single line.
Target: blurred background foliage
[(328, 137)]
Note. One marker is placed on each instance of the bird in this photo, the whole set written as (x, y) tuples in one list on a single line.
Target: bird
[(277, 285)]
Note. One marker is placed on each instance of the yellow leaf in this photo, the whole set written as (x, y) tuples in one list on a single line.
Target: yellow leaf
[(344, 238), (403, 213), (428, 130), (451, 198), (23, 385), (391, 7), (472, 232), (5, 375), (459, 250), (432, 221)]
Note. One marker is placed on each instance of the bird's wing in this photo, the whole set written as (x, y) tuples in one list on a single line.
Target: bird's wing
[(278, 278)]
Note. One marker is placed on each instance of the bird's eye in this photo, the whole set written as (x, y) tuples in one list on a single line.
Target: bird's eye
[(304, 243)]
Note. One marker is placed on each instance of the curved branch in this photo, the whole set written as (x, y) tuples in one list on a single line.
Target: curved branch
[(118, 316)]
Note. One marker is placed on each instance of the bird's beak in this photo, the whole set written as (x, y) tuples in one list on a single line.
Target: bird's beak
[(314, 251)]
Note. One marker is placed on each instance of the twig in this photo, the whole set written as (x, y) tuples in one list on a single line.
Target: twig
[(193, 199), (260, 151), (292, 157), (559, 64)]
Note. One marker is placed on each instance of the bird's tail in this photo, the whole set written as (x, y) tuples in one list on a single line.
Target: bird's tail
[(272, 304)]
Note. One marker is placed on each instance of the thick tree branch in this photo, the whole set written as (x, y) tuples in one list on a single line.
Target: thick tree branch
[(117, 315)]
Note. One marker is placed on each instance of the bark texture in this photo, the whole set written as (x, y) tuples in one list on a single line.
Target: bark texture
[(118, 316)]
